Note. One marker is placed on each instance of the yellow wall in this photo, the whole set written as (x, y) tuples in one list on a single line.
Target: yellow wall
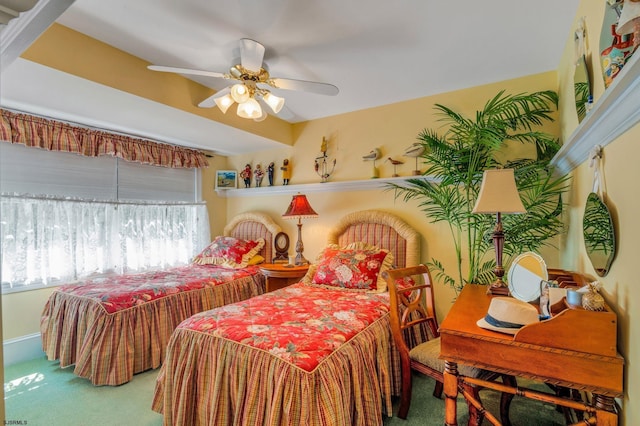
[(620, 171), (217, 206), (21, 312), (390, 128)]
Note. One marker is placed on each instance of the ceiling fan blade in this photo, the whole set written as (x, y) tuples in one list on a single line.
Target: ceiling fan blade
[(304, 86), (187, 71), (210, 102), (251, 54)]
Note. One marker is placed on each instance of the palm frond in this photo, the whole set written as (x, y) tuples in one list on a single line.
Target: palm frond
[(456, 157)]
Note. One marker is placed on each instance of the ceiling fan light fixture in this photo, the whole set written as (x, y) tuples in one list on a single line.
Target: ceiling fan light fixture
[(224, 102), (275, 102), (249, 109), (262, 117), (240, 93)]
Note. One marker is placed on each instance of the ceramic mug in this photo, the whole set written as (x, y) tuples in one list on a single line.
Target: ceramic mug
[(574, 297)]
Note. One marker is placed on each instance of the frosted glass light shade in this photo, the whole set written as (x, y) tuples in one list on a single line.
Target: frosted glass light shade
[(275, 102), (224, 102), (262, 117), (249, 109), (240, 93)]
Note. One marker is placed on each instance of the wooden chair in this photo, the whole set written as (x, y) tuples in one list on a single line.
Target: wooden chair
[(413, 308)]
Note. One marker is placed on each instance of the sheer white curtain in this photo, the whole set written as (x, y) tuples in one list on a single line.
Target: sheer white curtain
[(47, 240)]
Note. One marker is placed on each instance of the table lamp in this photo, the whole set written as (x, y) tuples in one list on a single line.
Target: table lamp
[(298, 209), (498, 194)]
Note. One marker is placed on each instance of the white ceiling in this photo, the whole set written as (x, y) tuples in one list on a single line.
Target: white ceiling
[(376, 52)]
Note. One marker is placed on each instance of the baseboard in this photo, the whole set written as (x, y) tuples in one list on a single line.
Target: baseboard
[(23, 348)]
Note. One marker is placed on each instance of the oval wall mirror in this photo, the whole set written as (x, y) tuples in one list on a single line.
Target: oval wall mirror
[(599, 235), (582, 89), (525, 274)]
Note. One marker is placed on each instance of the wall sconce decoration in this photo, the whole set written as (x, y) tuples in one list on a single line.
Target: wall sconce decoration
[(322, 165)]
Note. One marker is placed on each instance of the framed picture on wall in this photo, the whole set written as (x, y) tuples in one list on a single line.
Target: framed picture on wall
[(226, 179)]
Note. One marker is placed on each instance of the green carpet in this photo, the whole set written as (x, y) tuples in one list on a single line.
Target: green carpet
[(39, 393), (426, 410)]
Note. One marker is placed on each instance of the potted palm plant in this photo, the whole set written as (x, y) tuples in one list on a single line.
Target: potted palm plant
[(455, 161)]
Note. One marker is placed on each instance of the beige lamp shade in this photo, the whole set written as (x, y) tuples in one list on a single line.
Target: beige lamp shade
[(498, 193)]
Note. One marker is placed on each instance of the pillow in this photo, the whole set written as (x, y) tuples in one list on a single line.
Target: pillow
[(404, 283), (229, 252), (255, 260), (388, 262), (352, 268)]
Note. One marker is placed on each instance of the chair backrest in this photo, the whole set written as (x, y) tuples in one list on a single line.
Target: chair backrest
[(412, 306)]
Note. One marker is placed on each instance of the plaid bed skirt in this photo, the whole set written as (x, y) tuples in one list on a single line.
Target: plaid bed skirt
[(109, 349), (207, 380)]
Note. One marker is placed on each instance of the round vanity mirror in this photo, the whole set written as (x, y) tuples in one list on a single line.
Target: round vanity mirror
[(525, 274), (599, 235)]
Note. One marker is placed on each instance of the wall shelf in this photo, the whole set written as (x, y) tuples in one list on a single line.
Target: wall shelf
[(613, 114), (353, 185)]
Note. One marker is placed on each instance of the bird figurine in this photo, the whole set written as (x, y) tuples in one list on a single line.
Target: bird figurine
[(395, 164), (415, 150), (373, 155)]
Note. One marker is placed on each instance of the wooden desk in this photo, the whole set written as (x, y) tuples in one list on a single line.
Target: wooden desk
[(281, 275), (575, 349)]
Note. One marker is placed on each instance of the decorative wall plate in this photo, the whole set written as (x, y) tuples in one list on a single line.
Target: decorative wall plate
[(525, 274)]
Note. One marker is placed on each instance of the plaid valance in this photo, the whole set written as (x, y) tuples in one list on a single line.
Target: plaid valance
[(58, 136)]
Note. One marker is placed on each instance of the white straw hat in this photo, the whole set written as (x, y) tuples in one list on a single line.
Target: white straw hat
[(508, 315)]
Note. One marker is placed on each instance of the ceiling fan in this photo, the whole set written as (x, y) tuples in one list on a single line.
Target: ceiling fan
[(253, 84)]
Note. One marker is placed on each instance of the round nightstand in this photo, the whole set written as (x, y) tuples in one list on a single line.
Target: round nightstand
[(280, 275)]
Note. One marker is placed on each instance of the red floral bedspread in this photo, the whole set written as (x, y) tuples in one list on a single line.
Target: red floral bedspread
[(120, 292), (301, 324)]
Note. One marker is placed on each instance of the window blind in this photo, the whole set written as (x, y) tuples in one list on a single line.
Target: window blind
[(64, 216), (25, 170)]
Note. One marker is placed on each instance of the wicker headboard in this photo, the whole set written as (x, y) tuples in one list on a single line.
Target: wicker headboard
[(381, 229), (251, 226)]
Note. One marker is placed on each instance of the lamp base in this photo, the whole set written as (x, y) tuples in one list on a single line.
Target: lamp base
[(498, 288), (300, 260)]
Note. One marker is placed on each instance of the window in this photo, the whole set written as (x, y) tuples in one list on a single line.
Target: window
[(64, 217)]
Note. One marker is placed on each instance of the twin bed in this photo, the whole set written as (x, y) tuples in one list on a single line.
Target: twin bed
[(319, 352), (114, 327)]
